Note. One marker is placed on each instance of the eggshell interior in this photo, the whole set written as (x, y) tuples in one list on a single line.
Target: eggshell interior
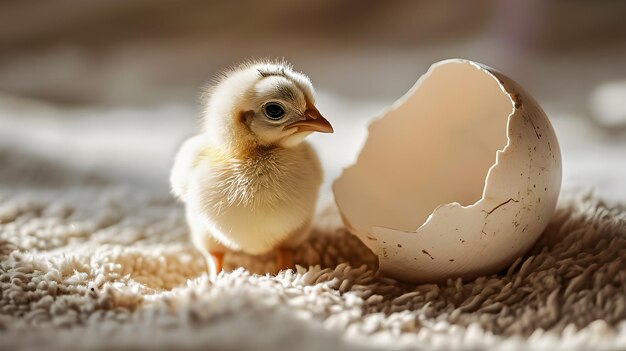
[(458, 178)]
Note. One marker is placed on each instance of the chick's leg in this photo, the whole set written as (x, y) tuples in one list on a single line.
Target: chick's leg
[(215, 263), (202, 239), (284, 253), (284, 258)]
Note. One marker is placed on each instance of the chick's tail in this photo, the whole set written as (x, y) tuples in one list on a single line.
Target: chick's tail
[(184, 164)]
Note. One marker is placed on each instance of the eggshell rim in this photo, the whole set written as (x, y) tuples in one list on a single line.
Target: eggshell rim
[(401, 101)]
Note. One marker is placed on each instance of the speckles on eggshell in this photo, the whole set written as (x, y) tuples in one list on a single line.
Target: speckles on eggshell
[(428, 254)]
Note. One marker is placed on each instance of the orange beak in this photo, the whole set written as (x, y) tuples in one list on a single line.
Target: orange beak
[(314, 122)]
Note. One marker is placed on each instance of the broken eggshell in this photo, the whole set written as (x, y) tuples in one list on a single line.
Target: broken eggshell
[(457, 179)]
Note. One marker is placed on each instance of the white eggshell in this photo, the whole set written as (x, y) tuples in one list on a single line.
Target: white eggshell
[(457, 179)]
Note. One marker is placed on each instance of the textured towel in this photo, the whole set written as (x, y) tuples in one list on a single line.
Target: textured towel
[(105, 268)]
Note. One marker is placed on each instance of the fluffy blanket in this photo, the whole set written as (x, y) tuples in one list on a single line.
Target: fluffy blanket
[(105, 267)]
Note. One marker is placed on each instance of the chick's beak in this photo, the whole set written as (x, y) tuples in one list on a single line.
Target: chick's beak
[(314, 122)]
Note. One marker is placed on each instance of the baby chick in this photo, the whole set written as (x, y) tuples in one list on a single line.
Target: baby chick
[(249, 181)]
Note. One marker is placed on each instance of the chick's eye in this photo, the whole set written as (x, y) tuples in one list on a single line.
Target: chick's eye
[(274, 111)]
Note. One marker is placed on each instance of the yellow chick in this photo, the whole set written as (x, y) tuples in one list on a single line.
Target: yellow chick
[(249, 181)]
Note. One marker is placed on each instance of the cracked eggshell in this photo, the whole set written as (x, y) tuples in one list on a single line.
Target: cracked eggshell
[(457, 179)]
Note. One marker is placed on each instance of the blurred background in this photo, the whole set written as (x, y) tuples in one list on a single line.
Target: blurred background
[(103, 92)]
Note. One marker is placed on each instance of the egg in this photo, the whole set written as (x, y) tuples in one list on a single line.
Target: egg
[(458, 178)]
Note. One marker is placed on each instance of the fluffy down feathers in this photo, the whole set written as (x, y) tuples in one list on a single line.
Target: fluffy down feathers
[(250, 183)]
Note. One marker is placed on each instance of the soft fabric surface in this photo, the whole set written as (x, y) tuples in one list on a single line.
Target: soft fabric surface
[(109, 267)]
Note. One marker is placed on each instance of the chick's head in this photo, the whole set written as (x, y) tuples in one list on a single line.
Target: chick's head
[(266, 104)]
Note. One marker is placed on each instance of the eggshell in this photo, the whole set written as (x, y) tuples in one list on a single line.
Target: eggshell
[(458, 178)]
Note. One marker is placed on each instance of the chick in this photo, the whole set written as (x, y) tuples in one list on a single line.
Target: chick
[(249, 181)]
